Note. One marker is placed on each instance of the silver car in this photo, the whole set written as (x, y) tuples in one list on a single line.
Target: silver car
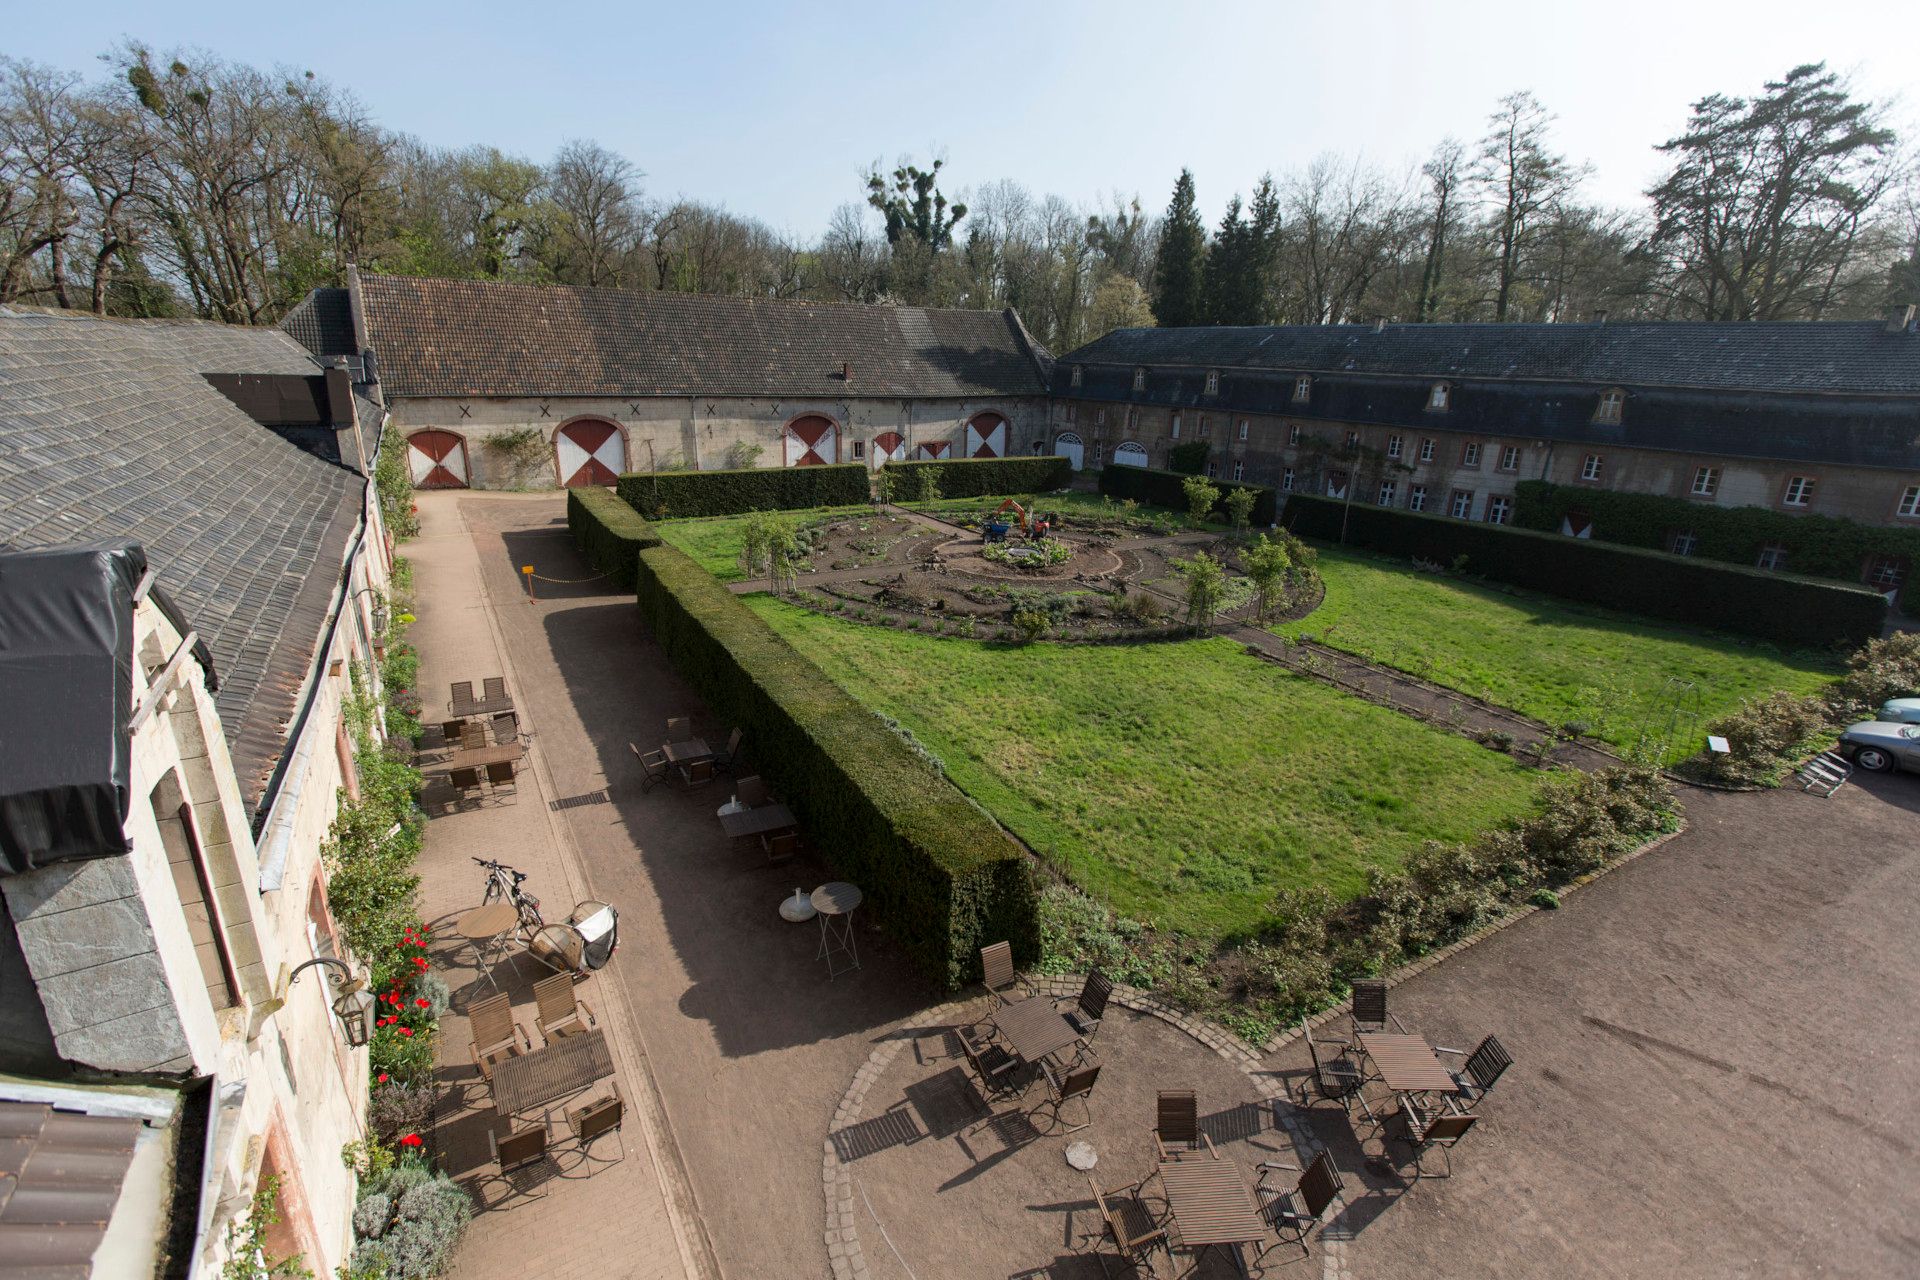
[(1901, 710), (1880, 745)]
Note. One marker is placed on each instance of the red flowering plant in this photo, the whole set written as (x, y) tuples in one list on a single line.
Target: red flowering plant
[(409, 998)]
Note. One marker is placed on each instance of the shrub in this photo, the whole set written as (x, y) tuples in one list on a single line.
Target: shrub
[(1770, 734), (608, 532), (1189, 459), (1031, 624), (1141, 607), (1163, 488), (1206, 588), (1545, 899), (935, 869), (1783, 608), (981, 477), (664, 495), (1880, 670), (408, 1222), (1201, 498), (1239, 508)]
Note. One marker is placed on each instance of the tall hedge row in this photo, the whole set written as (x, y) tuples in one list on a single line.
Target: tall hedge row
[(1786, 609), (936, 871), (1824, 546), (609, 533), (662, 495), (980, 477), (1162, 488)]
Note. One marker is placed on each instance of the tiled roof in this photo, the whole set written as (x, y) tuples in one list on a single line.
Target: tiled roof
[(474, 338), (60, 1178), (1857, 357), (108, 430), (323, 323)]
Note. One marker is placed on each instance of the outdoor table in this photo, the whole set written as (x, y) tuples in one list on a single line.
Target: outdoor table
[(486, 928), (687, 752), (753, 822), (476, 757), (835, 901), (467, 708), (1034, 1029), (567, 1065), (1407, 1064), (1211, 1205)]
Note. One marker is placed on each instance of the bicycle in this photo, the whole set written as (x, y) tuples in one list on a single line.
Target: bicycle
[(503, 885)]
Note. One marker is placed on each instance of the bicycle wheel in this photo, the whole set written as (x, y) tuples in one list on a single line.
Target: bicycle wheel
[(492, 895)]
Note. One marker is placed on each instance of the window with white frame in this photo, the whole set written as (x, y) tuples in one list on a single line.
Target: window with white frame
[(1885, 573), (1176, 426), (1076, 379), (1286, 480), (1243, 428), (1611, 402), (1590, 468), (1470, 454), (1437, 397), (1461, 507), (1302, 388), (1293, 434), (1139, 379), (1213, 468), (1682, 542), (1417, 498), (1706, 482), (1510, 458), (1799, 491), (1772, 556), (1389, 490), (1910, 501), (1213, 383), (1426, 450), (1499, 510), (1393, 446), (1239, 470)]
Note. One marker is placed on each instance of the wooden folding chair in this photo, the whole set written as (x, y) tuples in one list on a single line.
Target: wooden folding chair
[(496, 1036), (1294, 1211), (465, 782), (559, 1011), (997, 974), (679, 728), (1068, 1086), (500, 776), (653, 766), (462, 691), (1177, 1125), (752, 792), (1130, 1224), (599, 1118), (1486, 1064), (695, 773), (495, 688)]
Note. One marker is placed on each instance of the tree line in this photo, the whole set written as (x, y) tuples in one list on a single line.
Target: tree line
[(185, 184)]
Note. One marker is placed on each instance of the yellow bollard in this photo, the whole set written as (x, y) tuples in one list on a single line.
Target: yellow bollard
[(528, 570)]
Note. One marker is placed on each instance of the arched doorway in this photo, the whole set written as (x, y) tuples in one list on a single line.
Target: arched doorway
[(437, 460), (931, 450), (590, 451), (889, 446), (987, 436), (812, 441), (1130, 454), (1067, 445)]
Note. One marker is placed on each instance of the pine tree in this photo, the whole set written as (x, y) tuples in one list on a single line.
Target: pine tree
[(1177, 276), (1225, 291), (1263, 252)]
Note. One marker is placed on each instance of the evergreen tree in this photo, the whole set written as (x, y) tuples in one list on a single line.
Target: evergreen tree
[(1177, 275), (1263, 251), (1225, 292)]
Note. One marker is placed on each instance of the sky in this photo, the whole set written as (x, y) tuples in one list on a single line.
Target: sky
[(775, 111)]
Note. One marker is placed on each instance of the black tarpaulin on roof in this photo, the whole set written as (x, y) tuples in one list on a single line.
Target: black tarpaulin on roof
[(66, 696)]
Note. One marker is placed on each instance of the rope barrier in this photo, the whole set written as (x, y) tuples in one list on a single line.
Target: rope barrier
[(526, 571)]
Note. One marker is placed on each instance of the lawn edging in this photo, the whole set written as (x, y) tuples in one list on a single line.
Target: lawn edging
[(1414, 968), (935, 868)]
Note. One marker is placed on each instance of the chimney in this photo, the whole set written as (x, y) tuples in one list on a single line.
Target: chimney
[(1599, 315), (1900, 319), (846, 372)]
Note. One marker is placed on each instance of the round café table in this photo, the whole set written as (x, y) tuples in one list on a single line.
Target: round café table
[(486, 928), (835, 902)]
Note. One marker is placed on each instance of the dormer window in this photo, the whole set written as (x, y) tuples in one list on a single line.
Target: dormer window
[(1302, 388), (1139, 379), (1438, 396), (1213, 382), (1612, 401), (1077, 371)]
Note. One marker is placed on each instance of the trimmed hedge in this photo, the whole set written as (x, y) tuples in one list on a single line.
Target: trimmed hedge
[(1162, 489), (609, 533), (1822, 546), (1784, 608), (983, 477), (661, 495), (937, 871)]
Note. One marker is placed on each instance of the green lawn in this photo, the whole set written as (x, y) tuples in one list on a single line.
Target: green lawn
[(1552, 661), (1184, 782), (715, 541)]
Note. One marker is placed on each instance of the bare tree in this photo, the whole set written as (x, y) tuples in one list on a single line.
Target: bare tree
[(1520, 178), (594, 219)]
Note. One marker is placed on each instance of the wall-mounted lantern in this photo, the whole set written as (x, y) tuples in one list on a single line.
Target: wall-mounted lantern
[(353, 1004)]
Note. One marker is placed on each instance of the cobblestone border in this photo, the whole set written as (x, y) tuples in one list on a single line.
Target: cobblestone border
[(844, 1251)]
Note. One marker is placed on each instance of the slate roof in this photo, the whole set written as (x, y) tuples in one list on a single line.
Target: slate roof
[(1854, 357), (461, 338), (323, 323), (108, 430)]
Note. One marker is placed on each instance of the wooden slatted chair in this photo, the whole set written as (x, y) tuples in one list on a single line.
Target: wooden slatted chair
[(695, 773), (495, 688), (1369, 1008), (1068, 1086), (500, 776), (520, 1149), (1336, 1076), (780, 845), (473, 736), (506, 728), (496, 1036), (597, 1119), (998, 974), (465, 783), (729, 759), (559, 1012), (450, 731), (462, 691), (1486, 1064), (653, 766), (995, 1069), (1130, 1224), (1433, 1125), (1091, 1007), (752, 792), (1294, 1211), (679, 728), (1176, 1126)]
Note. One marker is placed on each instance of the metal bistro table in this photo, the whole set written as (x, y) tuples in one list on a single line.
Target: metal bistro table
[(835, 902), (1211, 1205), (765, 820), (1034, 1029), (487, 928), (566, 1066), (1407, 1064)]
